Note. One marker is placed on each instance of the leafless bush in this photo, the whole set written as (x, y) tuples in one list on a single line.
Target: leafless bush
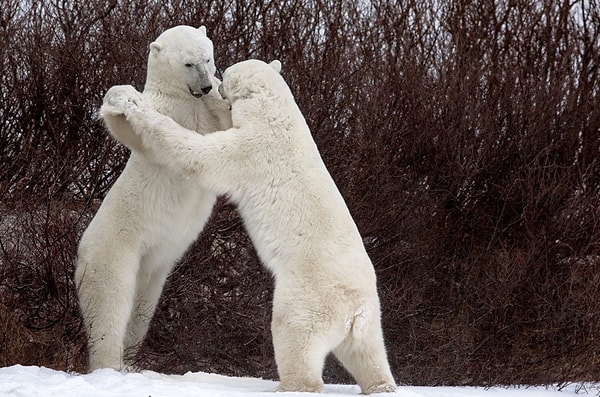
[(38, 304), (464, 136)]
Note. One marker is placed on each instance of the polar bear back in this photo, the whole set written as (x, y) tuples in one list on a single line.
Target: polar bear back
[(290, 204)]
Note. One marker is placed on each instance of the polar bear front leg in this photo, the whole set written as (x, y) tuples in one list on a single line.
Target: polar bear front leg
[(212, 159), (146, 127), (112, 112)]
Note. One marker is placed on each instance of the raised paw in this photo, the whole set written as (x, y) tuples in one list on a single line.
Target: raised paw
[(132, 107), (120, 99)]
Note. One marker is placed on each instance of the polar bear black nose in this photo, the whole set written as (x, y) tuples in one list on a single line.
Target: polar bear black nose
[(207, 89)]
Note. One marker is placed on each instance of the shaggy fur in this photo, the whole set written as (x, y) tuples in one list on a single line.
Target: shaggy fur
[(325, 295), (151, 214)]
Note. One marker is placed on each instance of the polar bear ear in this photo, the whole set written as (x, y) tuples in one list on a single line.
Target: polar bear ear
[(155, 47), (276, 65), (202, 30)]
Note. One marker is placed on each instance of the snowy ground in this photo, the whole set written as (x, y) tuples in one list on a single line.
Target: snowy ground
[(20, 381)]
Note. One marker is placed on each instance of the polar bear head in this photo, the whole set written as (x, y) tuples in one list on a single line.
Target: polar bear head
[(181, 62), (248, 78)]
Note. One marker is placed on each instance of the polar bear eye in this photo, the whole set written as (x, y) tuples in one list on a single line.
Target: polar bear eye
[(189, 65)]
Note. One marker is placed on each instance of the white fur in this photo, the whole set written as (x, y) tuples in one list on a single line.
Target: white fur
[(325, 295), (151, 214)]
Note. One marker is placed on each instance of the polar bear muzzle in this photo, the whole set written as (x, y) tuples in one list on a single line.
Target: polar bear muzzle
[(203, 91), (203, 84)]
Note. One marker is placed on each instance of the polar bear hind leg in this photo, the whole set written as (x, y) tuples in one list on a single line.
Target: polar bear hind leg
[(148, 290), (300, 355), (364, 356), (305, 329), (110, 310)]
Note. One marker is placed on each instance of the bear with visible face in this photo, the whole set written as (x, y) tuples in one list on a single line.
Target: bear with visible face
[(151, 214), (325, 297)]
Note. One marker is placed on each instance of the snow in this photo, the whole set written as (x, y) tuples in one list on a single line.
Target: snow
[(29, 381)]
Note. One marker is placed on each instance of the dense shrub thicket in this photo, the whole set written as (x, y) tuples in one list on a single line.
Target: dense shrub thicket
[(464, 136)]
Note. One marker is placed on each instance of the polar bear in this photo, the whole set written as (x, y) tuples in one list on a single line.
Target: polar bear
[(325, 297), (151, 215)]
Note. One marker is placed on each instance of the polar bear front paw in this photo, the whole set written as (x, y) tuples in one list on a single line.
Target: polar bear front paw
[(119, 99)]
